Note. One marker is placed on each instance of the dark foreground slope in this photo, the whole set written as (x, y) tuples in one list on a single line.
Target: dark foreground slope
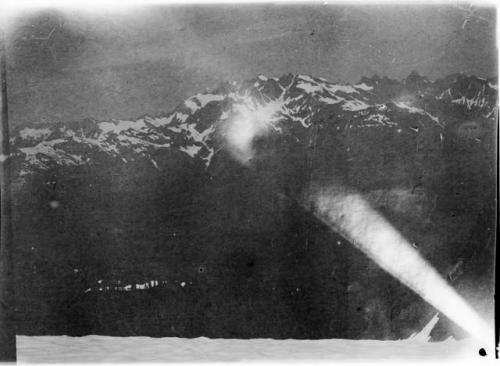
[(152, 227)]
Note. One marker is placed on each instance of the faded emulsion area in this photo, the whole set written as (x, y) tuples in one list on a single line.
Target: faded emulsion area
[(165, 159)]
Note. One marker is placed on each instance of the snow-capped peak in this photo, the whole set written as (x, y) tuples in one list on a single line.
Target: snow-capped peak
[(281, 104)]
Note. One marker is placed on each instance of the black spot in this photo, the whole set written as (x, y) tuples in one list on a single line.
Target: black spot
[(358, 308), (201, 269), (482, 352), (250, 264)]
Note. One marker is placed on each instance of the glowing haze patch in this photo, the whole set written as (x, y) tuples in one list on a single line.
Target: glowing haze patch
[(249, 121), (353, 217)]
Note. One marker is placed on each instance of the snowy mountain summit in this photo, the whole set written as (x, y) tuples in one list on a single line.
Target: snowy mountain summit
[(290, 105)]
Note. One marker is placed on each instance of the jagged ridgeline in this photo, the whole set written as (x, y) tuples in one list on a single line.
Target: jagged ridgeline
[(153, 227)]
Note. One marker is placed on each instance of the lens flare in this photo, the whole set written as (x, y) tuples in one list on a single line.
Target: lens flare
[(352, 216), (248, 122)]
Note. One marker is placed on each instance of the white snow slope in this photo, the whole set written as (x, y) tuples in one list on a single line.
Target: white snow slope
[(98, 349), (102, 349)]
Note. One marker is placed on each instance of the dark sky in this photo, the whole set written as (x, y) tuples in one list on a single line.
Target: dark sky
[(123, 64)]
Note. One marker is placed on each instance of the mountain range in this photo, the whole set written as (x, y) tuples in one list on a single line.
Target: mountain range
[(187, 223), (291, 103)]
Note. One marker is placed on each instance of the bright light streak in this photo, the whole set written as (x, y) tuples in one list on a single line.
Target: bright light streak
[(353, 217)]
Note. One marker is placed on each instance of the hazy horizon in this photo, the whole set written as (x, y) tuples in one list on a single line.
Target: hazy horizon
[(74, 65)]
